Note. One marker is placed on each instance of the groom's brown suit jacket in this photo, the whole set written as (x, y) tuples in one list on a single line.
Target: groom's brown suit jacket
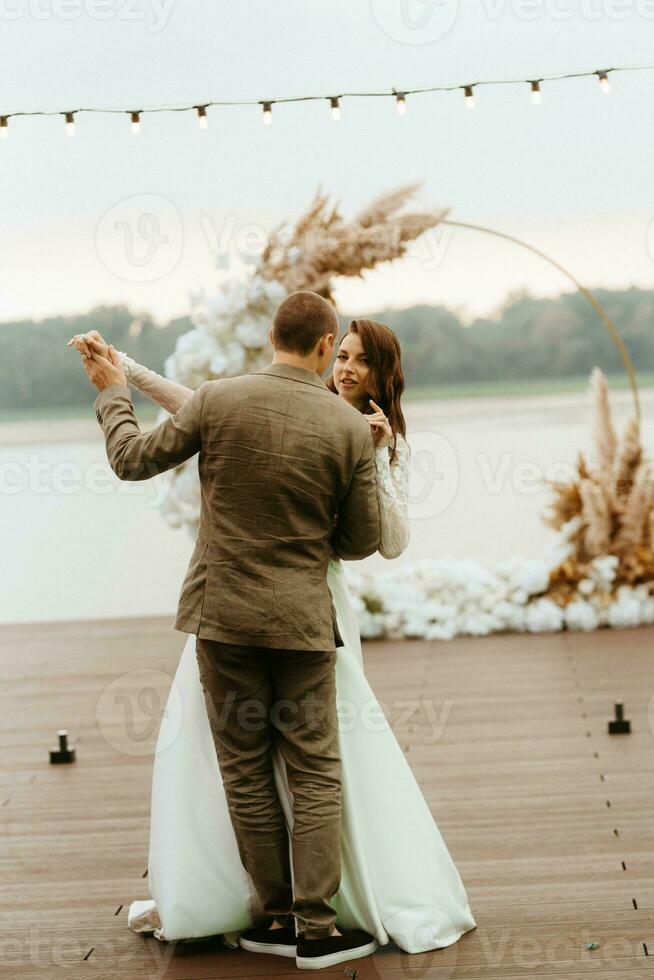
[(286, 473)]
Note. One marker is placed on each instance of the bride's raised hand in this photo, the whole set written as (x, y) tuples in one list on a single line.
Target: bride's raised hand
[(382, 433), (88, 343)]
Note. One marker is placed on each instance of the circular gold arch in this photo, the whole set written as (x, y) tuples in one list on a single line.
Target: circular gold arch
[(594, 302)]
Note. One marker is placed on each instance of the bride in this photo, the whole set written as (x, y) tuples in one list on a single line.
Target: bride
[(398, 880)]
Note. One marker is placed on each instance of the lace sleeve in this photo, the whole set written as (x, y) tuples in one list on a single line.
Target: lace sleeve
[(393, 494), (163, 391)]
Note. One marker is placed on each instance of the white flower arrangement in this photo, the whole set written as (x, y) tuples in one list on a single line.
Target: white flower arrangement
[(441, 599), (230, 328)]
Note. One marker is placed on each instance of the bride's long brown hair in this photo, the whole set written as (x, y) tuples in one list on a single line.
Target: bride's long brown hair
[(385, 381)]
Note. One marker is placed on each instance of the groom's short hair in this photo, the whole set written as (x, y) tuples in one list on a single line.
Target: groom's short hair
[(301, 320)]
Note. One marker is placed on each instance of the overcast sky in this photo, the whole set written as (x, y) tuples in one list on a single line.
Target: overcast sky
[(572, 175)]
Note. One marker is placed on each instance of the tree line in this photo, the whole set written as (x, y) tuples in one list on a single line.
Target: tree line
[(526, 338)]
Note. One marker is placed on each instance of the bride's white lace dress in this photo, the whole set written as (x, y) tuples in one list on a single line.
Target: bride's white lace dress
[(398, 880)]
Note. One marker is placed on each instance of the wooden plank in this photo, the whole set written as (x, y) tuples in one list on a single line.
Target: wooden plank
[(547, 817)]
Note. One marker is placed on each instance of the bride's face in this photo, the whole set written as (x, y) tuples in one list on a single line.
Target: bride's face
[(351, 371)]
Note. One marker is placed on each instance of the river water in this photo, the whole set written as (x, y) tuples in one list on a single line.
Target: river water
[(79, 544)]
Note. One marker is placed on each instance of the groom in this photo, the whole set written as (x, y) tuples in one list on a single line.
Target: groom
[(287, 477)]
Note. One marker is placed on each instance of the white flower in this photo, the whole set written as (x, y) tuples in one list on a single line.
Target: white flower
[(586, 586), (402, 599), (187, 489), (543, 616), (170, 368), (528, 576), (510, 615), (229, 361), (492, 599), (626, 610), (603, 569), (434, 609), (581, 615), (267, 290), (440, 631), (416, 626), (519, 596), (371, 625), (479, 624), (648, 611), (253, 332), (181, 505), (190, 343)]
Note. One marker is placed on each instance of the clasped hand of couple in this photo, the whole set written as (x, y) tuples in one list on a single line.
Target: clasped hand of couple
[(99, 359), (103, 368)]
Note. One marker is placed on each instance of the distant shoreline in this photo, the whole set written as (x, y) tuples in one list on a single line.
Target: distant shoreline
[(78, 423)]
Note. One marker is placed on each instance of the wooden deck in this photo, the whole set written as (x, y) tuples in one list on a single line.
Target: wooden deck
[(548, 818)]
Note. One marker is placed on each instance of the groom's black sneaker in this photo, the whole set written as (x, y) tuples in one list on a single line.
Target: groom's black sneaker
[(262, 939), (316, 954)]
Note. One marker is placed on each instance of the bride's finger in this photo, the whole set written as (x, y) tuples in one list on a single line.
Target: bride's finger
[(80, 347)]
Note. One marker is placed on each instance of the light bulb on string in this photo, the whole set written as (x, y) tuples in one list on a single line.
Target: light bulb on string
[(468, 90), (605, 84)]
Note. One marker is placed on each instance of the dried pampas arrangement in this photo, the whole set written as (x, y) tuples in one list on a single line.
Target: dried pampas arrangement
[(607, 509), (323, 245)]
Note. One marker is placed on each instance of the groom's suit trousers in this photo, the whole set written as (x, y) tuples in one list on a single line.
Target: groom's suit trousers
[(257, 697)]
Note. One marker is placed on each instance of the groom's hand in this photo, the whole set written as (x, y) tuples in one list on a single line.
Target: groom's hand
[(104, 371)]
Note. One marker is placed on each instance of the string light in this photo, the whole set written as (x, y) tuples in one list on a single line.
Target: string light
[(70, 123), (605, 84), (334, 101)]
